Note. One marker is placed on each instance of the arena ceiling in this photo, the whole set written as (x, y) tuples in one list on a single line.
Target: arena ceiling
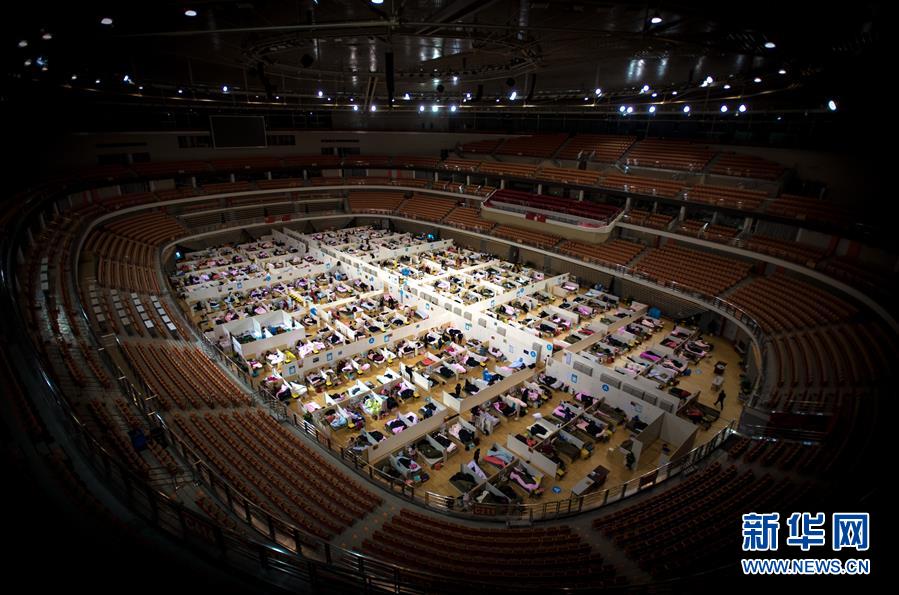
[(549, 52)]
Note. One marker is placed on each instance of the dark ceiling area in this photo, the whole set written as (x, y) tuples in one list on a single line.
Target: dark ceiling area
[(473, 54)]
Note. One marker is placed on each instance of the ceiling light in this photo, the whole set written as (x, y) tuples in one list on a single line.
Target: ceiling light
[(421, 108), (97, 82), (726, 87), (674, 92), (779, 118), (126, 79), (278, 97), (512, 96), (723, 109), (180, 91), (644, 89), (44, 68), (782, 71), (586, 99), (352, 100), (770, 45), (742, 108), (23, 43), (47, 36), (374, 107), (320, 93), (654, 95), (28, 62), (709, 80), (452, 108), (630, 109), (468, 96), (757, 79), (355, 108), (434, 108), (832, 105), (190, 12), (621, 109), (652, 109), (455, 79), (377, 1), (140, 88), (74, 77), (686, 109), (656, 19), (225, 88), (106, 21), (406, 96), (598, 91)]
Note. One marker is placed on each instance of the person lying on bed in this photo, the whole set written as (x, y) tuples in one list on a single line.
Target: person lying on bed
[(470, 388)]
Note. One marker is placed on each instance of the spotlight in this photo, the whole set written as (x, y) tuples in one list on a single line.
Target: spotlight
[(770, 45), (723, 109), (586, 99), (374, 107), (452, 108), (656, 19), (742, 108), (686, 109), (674, 92), (652, 109), (190, 12), (406, 96), (630, 109), (180, 91), (455, 79), (598, 91), (709, 80), (97, 82), (757, 79), (377, 1), (621, 109), (140, 88), (512, 96), (421, 108), (74, 77), (23, 43), (726, 87), (782, 71), (468, 96), (832, 105), (47, 36), (225, 88), (126, 79), (654, 95), (320, 93), (28, 62), (644, 89), (434, 108), (355, 108), (106, 21)]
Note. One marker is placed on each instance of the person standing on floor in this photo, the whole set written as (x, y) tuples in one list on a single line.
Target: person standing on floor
[(720, 400)]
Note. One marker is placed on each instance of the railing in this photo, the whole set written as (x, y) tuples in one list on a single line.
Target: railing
[(494, 512)]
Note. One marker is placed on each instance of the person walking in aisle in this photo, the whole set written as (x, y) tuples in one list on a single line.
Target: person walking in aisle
[(720, 400)]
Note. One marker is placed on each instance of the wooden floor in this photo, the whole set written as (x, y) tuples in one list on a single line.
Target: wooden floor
[(605, 454)]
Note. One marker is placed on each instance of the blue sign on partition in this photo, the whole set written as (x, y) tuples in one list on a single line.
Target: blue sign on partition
[(533, 354), (468, 326), (371, 340), (556, 489), (605, 388), (329, 357), (291, 370), (549, 346), (574, 379)]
